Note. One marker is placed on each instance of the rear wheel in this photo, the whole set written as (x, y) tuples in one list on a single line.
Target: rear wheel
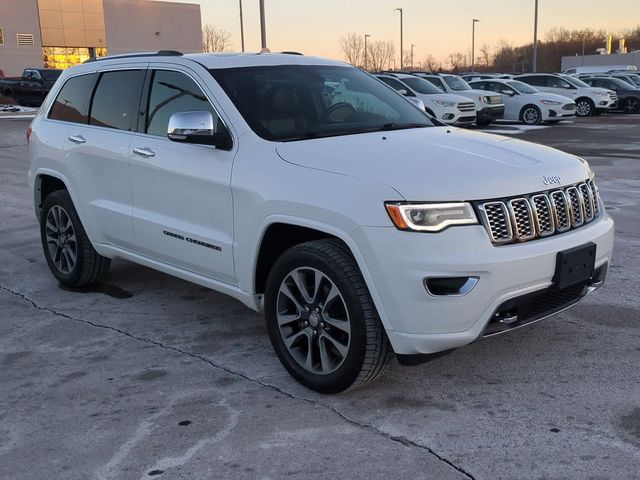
[(584, 107), (531, 115), (321, 319), (632, 105), (67, 249)]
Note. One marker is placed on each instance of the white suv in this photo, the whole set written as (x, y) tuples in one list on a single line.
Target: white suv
[(589, 100), (357, 225), (445, 107)]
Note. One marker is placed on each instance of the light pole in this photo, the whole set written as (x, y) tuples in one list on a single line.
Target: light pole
[(535, 40), (263, 28), (412, 45), (401, 34), (366, 54), (473, 44), (241, 28)]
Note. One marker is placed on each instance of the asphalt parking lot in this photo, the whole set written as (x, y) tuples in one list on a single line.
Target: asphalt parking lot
[(147, 376)]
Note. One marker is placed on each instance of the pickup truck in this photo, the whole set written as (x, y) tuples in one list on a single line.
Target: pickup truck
[(32, 88)]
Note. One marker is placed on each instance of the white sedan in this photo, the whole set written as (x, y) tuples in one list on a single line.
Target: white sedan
[(527, 104)]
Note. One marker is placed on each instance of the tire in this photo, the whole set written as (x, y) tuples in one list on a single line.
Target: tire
[(553, 122), (483, 123), (632, 105), (59, 220), (531, 115), (585, 107), (335, 316)]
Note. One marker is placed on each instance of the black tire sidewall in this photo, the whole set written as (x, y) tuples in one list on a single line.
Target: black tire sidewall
[(61, 198), (347, 373)]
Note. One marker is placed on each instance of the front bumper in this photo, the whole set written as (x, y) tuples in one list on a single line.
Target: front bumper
[(490, 113), (418, 323)]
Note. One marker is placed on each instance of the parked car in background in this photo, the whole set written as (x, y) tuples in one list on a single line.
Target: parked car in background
[(360, 229), (527, 104), (628, 96), (632, 79), (489, 106), (32, 87), (589, 100), (445, 107), (600, 69), (469, 77)]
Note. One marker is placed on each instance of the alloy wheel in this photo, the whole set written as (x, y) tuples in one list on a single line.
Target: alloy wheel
[(61, 239), (583, 108), (632, 105), (531, 116), (313, 320)]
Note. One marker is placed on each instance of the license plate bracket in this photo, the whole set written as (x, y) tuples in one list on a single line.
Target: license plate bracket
[(575, 265)]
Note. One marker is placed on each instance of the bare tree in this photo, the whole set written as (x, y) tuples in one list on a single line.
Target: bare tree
[(431, 64), (485, 55), (352, 46), (457, 61), (380, 55), (215, 39)]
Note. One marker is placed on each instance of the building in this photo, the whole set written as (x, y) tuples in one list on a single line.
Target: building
[(632, 58), (62, 33)]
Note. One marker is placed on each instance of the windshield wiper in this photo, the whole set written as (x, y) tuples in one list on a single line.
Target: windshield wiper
[(335, 133), (395, 126)]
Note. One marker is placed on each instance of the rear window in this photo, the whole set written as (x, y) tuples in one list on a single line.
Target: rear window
[(72, 103), (117, 99)]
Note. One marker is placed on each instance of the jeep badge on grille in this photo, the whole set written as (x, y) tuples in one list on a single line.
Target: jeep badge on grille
[(550, 180)]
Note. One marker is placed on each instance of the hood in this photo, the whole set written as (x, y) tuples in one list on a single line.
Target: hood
[(439, 163), (445, 97)]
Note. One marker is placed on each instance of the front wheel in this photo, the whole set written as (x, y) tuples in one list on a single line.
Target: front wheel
[(632, 105), (67, 249), (531, 115), (321, 319), (584, 107)]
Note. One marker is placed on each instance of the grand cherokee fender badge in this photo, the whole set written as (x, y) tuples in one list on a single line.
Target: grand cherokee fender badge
[(552, 179), (192, 240)]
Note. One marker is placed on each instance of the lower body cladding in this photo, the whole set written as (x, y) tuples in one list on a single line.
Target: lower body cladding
[(490, 289)]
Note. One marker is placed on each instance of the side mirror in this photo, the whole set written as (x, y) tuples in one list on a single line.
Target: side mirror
[(510, 93), (197, 127), (403, 92)]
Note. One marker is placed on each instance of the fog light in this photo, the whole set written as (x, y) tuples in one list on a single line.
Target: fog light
[(552, 113), (448, 116), (449, 286)]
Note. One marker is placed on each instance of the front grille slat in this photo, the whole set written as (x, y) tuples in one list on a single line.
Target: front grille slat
[(538, 215)]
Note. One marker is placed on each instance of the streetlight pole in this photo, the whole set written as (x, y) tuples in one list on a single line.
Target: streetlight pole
[(412, 45), (473, 44), (366, 52), (241, 28), (263, 28), (401, 35), (535, 39)]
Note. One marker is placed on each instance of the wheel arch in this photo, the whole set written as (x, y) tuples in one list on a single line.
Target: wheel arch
[(529, 105), (275, 228), (46, 182)]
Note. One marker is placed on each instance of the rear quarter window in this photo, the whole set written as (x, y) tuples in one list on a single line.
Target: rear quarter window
[(72, 103)]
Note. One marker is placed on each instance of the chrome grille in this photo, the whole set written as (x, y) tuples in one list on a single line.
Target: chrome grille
[(614, 97), (576, 206), (467, 107), (541, 214)]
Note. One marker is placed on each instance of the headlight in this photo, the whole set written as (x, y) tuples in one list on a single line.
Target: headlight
[(442, 103), (550, 102), (430, 217), (486, 100)]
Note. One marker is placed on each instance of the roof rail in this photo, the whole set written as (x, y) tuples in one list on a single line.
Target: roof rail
[(288, 52), (159, 53)]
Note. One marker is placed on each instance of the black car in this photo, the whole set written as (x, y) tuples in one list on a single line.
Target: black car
[(628, 96), (32, 88)]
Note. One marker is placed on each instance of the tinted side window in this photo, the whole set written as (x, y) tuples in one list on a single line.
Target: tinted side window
[(395, 84), (535, 81), (173, 92), (438, 83), (115, 103), (72, 103)]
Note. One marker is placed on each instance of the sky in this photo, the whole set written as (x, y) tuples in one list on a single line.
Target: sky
[(436, 27)]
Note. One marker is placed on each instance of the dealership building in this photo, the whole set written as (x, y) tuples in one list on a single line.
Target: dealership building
[(63, 33)]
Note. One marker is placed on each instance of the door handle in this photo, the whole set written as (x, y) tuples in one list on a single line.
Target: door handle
[(79, 139), (144, 152)]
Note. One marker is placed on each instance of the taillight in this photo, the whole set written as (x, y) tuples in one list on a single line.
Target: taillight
[(29, 131)]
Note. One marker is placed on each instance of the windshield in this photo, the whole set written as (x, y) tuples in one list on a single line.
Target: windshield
[(522, 87), (456, 83), (421, 85), (51, 74), (298, 102), (575, 82)]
